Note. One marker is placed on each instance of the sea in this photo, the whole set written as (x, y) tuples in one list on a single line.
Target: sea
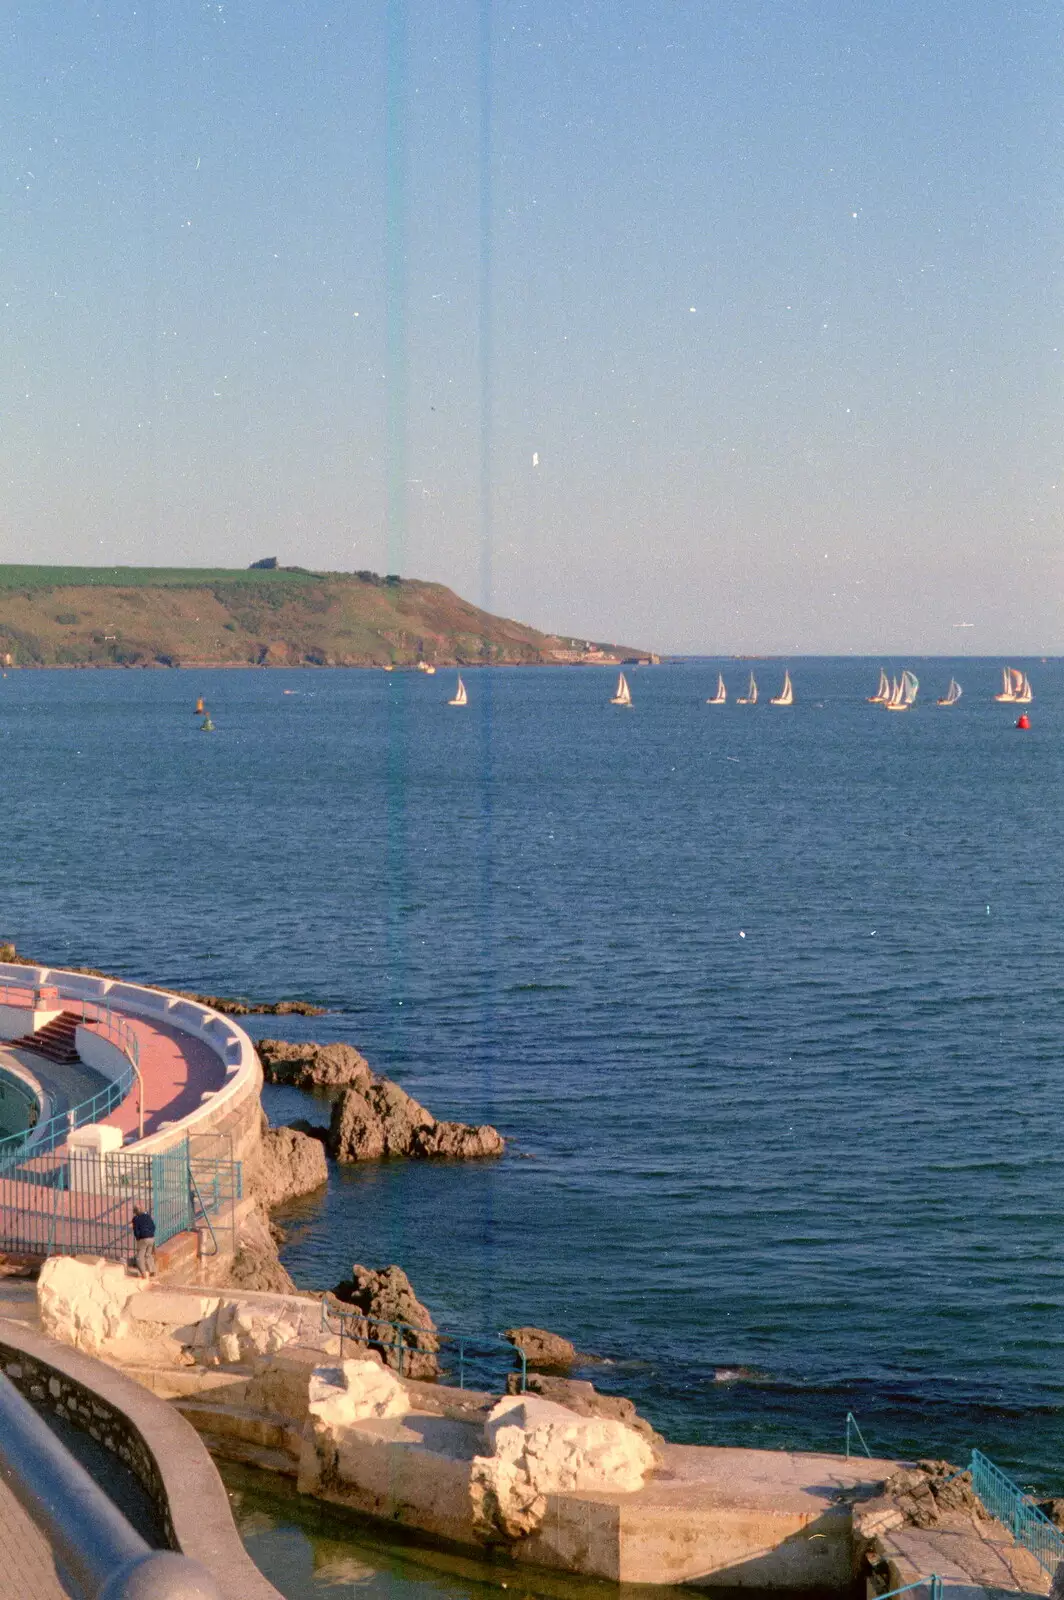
[(766, 1001)]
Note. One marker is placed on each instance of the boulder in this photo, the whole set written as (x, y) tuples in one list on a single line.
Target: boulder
[(384, 1298), (458, 1141), (548, 1351), (355, 1130), (381, 1119), (537, 1448), (286, 1163), (585, 1401), (82, 1300), (324, 1067), (353, 1391)]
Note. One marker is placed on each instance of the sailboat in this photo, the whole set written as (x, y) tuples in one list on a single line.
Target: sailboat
[(623, 697), (207, 726), (1024, 692), (201, 709), (1011, 682), (460, 696), (903, 692), (882, 694), (721, 696), (750, 697), (952, 694), (427, 667), (786, 694)]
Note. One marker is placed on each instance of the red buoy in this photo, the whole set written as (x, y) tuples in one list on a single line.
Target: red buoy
[(1023, 720)]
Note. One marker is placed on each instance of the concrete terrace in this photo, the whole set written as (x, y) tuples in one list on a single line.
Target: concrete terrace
[(177, 1070)]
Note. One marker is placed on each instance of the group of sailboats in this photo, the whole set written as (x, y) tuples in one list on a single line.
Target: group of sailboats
[(899, 694), (896, 694), (1015, 687), (784, 698)]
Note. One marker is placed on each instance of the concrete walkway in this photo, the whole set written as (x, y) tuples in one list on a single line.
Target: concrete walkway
[(976, 1561), (27, 1567)]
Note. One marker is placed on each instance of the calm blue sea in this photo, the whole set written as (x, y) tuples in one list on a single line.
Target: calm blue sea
[(768, 1001)]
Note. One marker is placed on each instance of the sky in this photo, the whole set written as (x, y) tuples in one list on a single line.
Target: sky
[(700, 325)]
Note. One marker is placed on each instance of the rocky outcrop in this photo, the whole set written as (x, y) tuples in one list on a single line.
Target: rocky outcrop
[(538, 1448), (256, 1264), (584, 1400), (384, 1298), (286, 1163), (326, 1068), (546, 1352), (381, 1119), (372, 1116)]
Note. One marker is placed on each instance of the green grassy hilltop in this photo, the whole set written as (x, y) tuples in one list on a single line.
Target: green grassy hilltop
[(190, 616)]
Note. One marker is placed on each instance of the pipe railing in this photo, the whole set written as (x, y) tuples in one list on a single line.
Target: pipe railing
[(102, 1557), (44, 1137)]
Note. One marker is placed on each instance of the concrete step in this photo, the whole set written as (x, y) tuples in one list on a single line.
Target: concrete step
[(250, 1455), (264, 1430)]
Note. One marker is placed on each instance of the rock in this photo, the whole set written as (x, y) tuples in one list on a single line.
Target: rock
[(287, 1163), (1054, 1510), (384, 1298), (538, 1448), (256, 1264), (923, 1492), (356, 1132), (402, 1117), (381, 1119), (325, 1067), (82, 1300), (353, 1391), (313, 1130), (584, 1400), (542, 1349), (458, 1141)]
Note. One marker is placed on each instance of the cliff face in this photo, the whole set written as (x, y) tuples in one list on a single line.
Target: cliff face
[(156, 617)]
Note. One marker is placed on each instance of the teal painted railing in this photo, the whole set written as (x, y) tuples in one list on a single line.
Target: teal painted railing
[(853, 1433), (355, 1327), (1007, 1502), (933, 1585), (44, 1137), (81, 1203)]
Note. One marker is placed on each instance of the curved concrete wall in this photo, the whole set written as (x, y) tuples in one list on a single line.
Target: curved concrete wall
[(232, 1110), (159, 1447)]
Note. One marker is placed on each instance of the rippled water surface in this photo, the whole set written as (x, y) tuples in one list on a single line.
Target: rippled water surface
[(768, 1002)]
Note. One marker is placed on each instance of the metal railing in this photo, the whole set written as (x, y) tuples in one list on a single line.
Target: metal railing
[(41, 1138), (80, 1203), (370, 1332), (932, 1584), (100, 1554), (853, 1432), (1007, 1502)]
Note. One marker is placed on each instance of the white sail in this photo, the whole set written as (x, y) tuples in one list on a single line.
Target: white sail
[(882, 694), (623, 697), (902, 693), (1024, 693), (910, 686), (460, 696), (786, 694), (750, 697), (952, 694), (1008, 691), (721, 695)]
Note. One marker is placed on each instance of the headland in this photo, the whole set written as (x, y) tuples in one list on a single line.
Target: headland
[(266, 616)]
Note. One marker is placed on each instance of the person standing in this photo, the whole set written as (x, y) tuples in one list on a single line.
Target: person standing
[(144, 1239)]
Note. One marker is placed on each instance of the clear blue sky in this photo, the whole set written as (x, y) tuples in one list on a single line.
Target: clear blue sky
[(770, 289)]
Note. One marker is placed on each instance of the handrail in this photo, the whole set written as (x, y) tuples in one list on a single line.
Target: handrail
[(1006, 1501), (347, 1313), (851, 1429), (103, 1555), (934, 1580), (194, 1186), (43, 1137)]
